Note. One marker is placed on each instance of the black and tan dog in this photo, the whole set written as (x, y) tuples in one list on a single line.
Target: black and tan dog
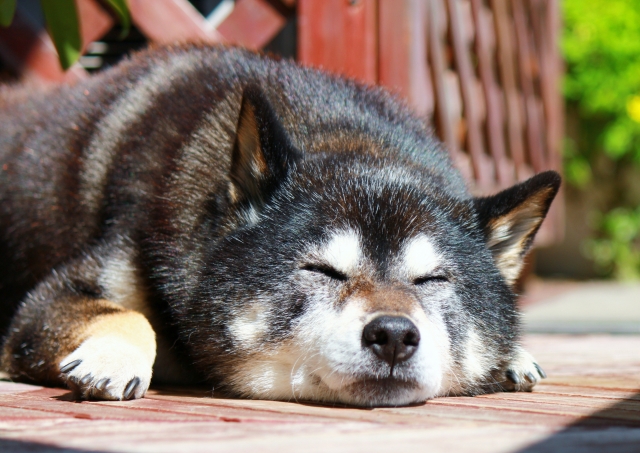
[(210, 213)]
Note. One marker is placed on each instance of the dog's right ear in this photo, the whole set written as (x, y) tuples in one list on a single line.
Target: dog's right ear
[(262, 154)]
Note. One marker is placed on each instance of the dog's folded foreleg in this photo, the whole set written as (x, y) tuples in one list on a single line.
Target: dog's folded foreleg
[(68, 331)]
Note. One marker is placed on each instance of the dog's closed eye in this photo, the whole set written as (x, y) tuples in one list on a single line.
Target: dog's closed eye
[(325, 270), (428, 279)]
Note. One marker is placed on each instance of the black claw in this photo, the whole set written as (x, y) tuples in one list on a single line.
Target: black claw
[(73, 386), (85, 380), (512, 376), (70, 366), (131, 388), (102, 384), (530, 377), (541, 372)]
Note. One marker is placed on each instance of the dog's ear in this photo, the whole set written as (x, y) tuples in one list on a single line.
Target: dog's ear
[(511, 219), (262, 153)]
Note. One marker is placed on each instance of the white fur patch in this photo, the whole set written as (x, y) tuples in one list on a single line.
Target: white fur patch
[(433, 356), (274, 375), (337, 336), (476, 357), (420, 257), (343, 251), (249, 326), (309, 366), (250, 215), (109, 357)]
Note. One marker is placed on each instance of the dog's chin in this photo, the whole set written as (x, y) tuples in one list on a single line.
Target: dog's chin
[(276, 381), (381, 392)]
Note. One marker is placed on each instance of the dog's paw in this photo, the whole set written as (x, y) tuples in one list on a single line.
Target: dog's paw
[(522, 374), (107, 368)]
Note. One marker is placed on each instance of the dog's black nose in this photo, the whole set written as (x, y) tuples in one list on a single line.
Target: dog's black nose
[(392, 338)]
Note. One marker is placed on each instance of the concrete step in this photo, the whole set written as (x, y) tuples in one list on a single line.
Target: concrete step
[(579, 308)]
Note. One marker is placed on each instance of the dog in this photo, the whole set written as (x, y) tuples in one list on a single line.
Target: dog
[(210, 214)]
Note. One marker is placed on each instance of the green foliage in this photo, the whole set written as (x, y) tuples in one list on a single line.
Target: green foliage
[(7, 9), (121, 10), (601, 46), (577, 168), (617, 251), (61, 17), (62, 21)]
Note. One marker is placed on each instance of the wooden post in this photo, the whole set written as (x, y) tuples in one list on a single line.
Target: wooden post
[(339, 36), (402, 52)]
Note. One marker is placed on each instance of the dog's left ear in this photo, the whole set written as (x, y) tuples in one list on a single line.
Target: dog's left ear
[(511, 219), (262, 154)]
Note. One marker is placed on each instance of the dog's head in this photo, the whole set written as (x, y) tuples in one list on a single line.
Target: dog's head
[(356, 277)]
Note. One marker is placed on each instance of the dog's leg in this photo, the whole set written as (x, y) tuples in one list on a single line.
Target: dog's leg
[(68, 331), (522, 372), (115, 358)]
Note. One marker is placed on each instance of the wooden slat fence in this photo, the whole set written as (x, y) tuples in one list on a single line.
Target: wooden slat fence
[(485, 73)]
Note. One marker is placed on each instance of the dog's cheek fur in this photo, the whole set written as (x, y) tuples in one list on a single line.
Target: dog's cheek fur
[(268, 357), (477, 308), (250, 325), (233, 331), (294, 368)]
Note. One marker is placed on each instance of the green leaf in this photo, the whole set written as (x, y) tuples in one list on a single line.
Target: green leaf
[(122, 11), (618, 138), (7, 9), (62, 20), (578, 171), (617, 252)]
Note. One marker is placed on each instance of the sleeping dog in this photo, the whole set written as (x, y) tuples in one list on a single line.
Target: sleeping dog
[(205, 213)]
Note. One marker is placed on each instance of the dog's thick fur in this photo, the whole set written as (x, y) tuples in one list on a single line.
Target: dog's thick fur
[(280, 232)]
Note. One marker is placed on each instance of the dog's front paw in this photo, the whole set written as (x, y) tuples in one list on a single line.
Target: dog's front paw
[(107, 368), (522, 374)]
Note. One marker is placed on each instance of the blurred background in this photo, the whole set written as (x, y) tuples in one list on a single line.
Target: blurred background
[(513, 87)]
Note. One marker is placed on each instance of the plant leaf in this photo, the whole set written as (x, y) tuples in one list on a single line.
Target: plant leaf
[(62, 21), (121, 10), (7, 9)]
